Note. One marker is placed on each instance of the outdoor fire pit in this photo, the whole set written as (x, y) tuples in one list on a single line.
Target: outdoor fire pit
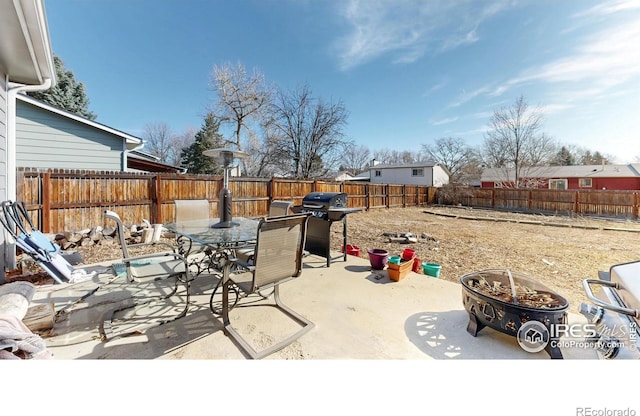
[(505, 300)]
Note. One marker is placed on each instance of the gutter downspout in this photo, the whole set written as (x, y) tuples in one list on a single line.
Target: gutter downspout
[(12, 90)]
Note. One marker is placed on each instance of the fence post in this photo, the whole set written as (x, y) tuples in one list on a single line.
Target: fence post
[(46, 202), (386, 195), (635, 206), (367, 203), (156, 199), (270, 188), (404, 196), (576, 203)]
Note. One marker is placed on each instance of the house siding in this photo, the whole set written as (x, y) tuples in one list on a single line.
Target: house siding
[(46, 140), (440, 177), (403, 176), (617, 184)]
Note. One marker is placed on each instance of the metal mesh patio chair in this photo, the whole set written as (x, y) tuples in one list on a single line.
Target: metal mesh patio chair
[(198, 255), (162, 273), (277, 259), (276, 209)]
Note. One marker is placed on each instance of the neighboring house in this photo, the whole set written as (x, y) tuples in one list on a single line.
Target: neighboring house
[(612, 177), (26, 64), (48, 137), (427, 173), (138, 161), (348, 176), (342, 176)]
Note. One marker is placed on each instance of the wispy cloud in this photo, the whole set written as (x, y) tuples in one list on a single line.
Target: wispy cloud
[(440, 85), (468, 96), (404, 31), (609, 7), (444, 121), (605, 59)]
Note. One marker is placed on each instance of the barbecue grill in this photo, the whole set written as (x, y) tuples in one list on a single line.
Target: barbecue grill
[(325, 208), (615, 313)]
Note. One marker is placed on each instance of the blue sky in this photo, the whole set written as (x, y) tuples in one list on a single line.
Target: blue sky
[(408, 72)]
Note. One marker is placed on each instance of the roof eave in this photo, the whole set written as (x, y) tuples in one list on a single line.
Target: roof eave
[(25, 47), (132, 142)]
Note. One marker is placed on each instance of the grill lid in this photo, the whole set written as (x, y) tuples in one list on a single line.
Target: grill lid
[(325, 200), (624, 285), (627, 277)]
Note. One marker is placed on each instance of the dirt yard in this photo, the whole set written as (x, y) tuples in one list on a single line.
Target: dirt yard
[(556, 250)]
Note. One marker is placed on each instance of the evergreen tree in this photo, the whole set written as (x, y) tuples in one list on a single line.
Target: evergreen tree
[(593, 159), (68, 94), (206, 138), (564, 157)]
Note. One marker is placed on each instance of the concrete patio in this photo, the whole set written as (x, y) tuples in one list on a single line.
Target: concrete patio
[(358, 313)]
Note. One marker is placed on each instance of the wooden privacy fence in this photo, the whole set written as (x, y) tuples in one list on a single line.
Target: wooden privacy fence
[(73, 201), (605, 203)]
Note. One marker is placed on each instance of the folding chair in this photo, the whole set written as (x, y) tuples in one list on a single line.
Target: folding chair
[(34, 243), (152, 270), (276, 209), (278, 259), (193, 210)]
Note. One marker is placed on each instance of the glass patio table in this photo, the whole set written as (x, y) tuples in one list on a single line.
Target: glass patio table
[(203, 232), (222, 242)]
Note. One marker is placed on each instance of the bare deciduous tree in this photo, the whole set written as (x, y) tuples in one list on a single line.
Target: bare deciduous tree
[(306, 132), (242, 98), (393, 156), (514, 141), (452, 152), (259, 162), (158, 140), (180, 141), (354, 158)]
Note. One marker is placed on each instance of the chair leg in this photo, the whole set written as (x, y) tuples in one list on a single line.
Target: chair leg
[(106, 328), (216, 305), (306, 326)]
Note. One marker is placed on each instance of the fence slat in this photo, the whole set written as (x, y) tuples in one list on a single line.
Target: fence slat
[(75, 200), (605, 203)]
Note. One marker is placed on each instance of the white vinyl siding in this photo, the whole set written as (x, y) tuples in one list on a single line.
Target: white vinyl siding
[(48, 140), (431, 175)]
